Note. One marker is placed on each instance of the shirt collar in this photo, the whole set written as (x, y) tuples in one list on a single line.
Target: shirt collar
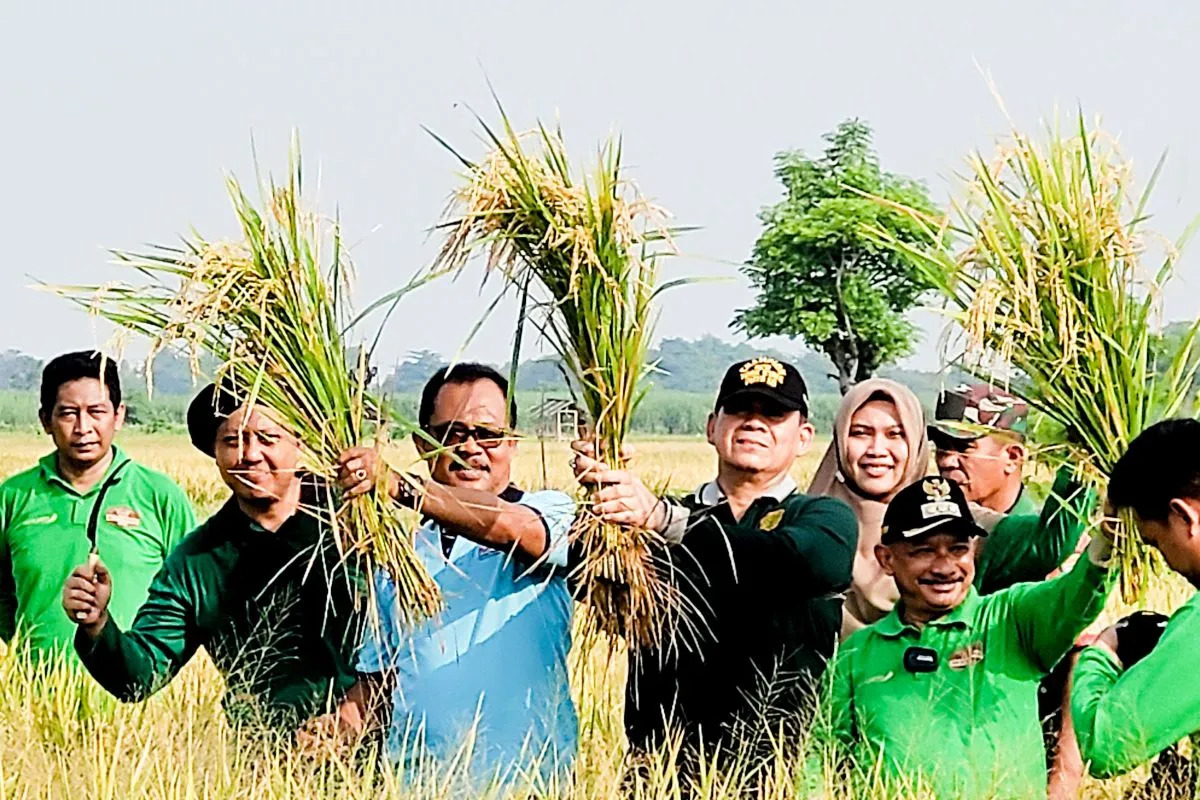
[(49, 468), (892, 626), (710, 494)]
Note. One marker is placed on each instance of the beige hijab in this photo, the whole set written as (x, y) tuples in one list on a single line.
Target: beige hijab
[(872, 593)]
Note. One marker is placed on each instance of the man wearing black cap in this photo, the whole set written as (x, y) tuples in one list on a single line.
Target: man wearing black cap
[(943, 690), (257, 585), (763, 564)]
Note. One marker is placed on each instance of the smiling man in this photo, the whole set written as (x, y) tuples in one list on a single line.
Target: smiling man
[(86, 496), (261, 586), (763, 565), (489, 673), (950, 664)]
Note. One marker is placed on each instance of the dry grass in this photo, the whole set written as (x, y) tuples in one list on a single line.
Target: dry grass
[(61, 736)]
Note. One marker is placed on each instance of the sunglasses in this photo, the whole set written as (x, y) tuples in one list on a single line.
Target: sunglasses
[(453, 434)]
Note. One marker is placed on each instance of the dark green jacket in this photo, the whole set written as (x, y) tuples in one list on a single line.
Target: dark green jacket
[(767, 592), (276, 611)]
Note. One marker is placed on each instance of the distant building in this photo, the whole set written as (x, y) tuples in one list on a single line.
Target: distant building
[(557, 417)]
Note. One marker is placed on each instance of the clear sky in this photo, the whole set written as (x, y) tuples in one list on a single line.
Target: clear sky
[(118, 120)]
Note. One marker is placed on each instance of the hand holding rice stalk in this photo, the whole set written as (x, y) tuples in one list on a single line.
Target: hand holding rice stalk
[(591, 247), (1047, 279), (273, 309)]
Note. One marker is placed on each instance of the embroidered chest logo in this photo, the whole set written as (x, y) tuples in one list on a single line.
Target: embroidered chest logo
[(123, 517), (967, 656), (762, 370), (770, 521), (48, 519)]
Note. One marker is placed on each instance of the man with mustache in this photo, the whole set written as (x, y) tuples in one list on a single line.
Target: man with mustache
[(86, 496), (260, 585), (490, 671), (952, 664), (762, 565), (979, 436)]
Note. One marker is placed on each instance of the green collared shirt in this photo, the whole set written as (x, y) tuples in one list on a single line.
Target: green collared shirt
[(969, 728), (1125, 717), (1025, 504), (44, 535)]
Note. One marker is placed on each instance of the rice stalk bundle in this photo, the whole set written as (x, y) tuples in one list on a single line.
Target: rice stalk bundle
[(272, 307), (1040, 265), (592, 247)]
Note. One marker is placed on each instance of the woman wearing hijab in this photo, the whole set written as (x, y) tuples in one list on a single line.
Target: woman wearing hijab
[(880, 446)]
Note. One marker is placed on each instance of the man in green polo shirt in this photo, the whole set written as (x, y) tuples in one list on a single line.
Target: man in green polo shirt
[(764, 566), (943, 690), (260, 585), (86, 496), (1135, 696)]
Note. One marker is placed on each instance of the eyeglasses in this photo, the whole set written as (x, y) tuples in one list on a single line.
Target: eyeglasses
[(453, 434)]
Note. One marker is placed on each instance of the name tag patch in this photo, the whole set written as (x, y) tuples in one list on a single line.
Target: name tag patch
[(123, 517), (971, 654)]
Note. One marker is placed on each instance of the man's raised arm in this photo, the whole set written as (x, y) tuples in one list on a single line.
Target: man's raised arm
[(131, 665)]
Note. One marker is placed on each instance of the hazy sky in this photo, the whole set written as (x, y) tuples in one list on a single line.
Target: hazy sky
[(119, 118)]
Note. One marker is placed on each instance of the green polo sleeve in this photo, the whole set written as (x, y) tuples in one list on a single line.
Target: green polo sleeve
[(1022, 548), (132, 665), (1125, 719), (1044, 618)]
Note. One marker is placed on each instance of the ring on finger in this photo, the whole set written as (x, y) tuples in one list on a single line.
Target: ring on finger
[(360, 474)]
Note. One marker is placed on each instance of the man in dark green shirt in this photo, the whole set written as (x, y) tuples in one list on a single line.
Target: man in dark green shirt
[(259, 585), (763, 565), (86, 496)]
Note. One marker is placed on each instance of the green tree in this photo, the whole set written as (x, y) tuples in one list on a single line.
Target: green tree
[(820, 274)]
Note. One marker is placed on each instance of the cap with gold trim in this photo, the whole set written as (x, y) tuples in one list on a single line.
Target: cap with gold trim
[(931, 505), (766, 377)]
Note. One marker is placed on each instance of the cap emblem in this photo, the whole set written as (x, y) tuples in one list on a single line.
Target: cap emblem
[(762, 370), (936, 489)]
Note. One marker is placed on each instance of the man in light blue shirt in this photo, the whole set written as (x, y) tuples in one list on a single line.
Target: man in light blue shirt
[(485, 682)]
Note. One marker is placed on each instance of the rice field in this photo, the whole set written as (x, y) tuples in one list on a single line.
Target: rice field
[(62, 736)]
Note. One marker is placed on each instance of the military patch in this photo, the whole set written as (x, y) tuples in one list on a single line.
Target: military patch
[(762, 370), (770, 521), (971, 654), (123, 517)]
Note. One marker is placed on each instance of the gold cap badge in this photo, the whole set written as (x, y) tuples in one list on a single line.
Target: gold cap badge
[(762, 370), (936, 488)]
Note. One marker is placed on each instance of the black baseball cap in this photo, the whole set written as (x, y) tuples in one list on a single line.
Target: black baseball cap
[(931, 505), (766, 377), (207, 411)]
